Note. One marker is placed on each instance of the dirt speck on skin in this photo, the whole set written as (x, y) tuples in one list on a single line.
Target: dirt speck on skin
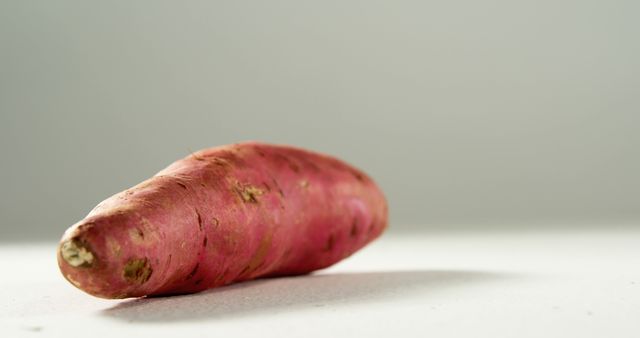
[(193, 272), (137, 270), (294, 167), (358, 176), (199, 220), (354, 228), (331, 241)]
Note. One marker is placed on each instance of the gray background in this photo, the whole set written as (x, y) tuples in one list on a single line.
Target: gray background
[(468, 113)]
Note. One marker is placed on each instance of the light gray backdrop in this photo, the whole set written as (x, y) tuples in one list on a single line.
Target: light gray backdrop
[(474, 113)]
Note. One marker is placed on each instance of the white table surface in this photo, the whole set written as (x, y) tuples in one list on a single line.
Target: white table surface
[(496, 284)]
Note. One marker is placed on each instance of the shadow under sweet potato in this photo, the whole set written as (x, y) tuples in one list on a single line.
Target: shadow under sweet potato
[(277, 295)]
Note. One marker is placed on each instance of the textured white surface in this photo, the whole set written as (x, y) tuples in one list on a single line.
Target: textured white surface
[(518, 284)]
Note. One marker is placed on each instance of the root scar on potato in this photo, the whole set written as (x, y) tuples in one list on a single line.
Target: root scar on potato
[(75, 254)]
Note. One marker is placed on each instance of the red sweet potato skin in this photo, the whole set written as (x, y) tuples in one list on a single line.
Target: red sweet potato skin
[(224, 215)]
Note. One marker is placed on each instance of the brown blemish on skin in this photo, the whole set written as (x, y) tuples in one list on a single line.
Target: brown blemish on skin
[(294, 167), (220, 162), (358, 176), (85, 227), (280, 157), (137, 270), (261, 253), (354, 228), (193, 272), (311, 164), (230, 240), (144, 233), (245, 270), (248, 193), (196, 157), (331, 241), (182, 185), (114, 247), (204, 242), (136, 235), (275, 184), (199, 220), (198, 281), (222, 276)]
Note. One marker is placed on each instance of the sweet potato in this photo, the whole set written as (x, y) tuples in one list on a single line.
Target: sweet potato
[(220, 216)]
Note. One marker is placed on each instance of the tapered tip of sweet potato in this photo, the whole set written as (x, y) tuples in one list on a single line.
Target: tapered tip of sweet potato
[(96, 265), (82, 267)]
